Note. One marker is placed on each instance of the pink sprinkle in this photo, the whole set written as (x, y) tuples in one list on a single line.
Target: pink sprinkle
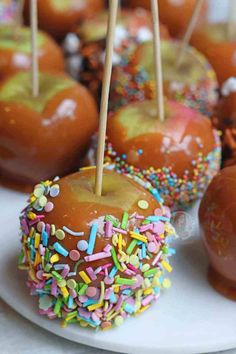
[(91, 291), (152, 247), (139, 217), (108, 280), (108, 229), (108, 265), (91, 273), (107, 248), (65, 271), (147, 300), (48, 229), (54, 287), (73, 293), (41, 250), (158, 212), (74, 255), (156, 259), (24, 226), (96, 256), (83, 298), (129, 272), (49, 207), (108, 293), (130, 266), (119, 303), (120, 231), (95, 317), (144, 228), (39, 274), (159, 228), (108, 309)]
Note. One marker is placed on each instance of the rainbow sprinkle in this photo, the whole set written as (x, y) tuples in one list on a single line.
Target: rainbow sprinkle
[(98, 289)]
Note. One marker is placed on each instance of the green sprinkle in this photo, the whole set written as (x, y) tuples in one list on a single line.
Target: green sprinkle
[(47, 267), (113, 220), (57, 306), (77, 264), (21, 257), (124, 220), (150, 272), (47, 255), (115, 259), (83, 289), (124, 281), (145, 222), (131, 246), (56, 275), (72, 314)]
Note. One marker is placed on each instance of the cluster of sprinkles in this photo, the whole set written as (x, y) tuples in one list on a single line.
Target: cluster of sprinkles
[(163, 183), (96, 289), (131, 83)]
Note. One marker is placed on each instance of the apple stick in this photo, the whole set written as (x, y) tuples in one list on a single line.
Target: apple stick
[(189, 30), (113, 9), (34, 48), (231, 20), (157, 59)]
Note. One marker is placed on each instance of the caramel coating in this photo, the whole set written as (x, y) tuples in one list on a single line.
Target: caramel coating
[(13, 60), (218, 228), (45, 136), (60, 17), (174, 14), (175, 142), (77, 206), (211, 40)]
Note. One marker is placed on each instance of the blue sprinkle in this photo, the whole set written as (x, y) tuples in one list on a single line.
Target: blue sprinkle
[(128, 308), (113, 272), (61, 250), (92, 238), (113, 298), (70, 302), (44, 238)]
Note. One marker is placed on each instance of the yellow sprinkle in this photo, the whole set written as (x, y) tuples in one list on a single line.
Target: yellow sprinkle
[(148, 291), (166, 283), (65, 292), (120, 242), (55, 258), (31, 232), (37, 259), (32, 275), (83, 323), (32, 199), (166, 265), (53, 229), (85, 277), (116, 289), (37, 240), (69, 318), (47, 275), (87, 168), (138, 237), (142, 309), (47, 183), (31, 215), (23, 267), (143, 204), (95, 306)]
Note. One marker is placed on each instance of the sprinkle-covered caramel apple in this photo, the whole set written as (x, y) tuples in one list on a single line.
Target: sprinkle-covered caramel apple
[(43, 136), (85, 47), (95, 260), (173, 13), (218, 227), (176, 158), (15, 52), (212, 40), (60, 17), (193, 82)]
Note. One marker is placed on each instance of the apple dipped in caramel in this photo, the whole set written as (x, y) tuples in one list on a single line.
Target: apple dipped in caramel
[(96, 259), (43, 136), (15, 52)]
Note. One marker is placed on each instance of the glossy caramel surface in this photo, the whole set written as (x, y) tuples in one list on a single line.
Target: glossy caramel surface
[(213, 42), (60, 17), (176, 142), (15, 52), (49, 139), (77, 207), (218, 228)]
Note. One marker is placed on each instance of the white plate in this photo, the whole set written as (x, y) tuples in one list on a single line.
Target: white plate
[(189, 318)]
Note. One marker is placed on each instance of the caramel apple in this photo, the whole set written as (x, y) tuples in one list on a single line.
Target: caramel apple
[(212, 40), (43, 136), (176, 158), (95, 260), (60, 17), (173, 13), (85, 48), (192, 83), (15, 52), (218, 228)]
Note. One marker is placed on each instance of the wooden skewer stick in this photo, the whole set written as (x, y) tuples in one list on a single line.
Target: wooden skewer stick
[(113, 9), (34, 47), (157, 59), (189, 30), (231, 20)]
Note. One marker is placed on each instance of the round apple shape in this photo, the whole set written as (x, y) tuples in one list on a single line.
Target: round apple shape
[(218, 228), (193, 83), (178, 157), (101, 258), (15, 52), (43, 136), (211, 40), (60, 17)]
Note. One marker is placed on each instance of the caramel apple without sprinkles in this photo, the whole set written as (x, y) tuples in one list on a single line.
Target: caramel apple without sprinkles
[(176, 158), (15, 52), (43, 136), (173, 13), (95, 260), (58, 17), (218, 227), (192, 83), (85, 47), (212, 40)]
